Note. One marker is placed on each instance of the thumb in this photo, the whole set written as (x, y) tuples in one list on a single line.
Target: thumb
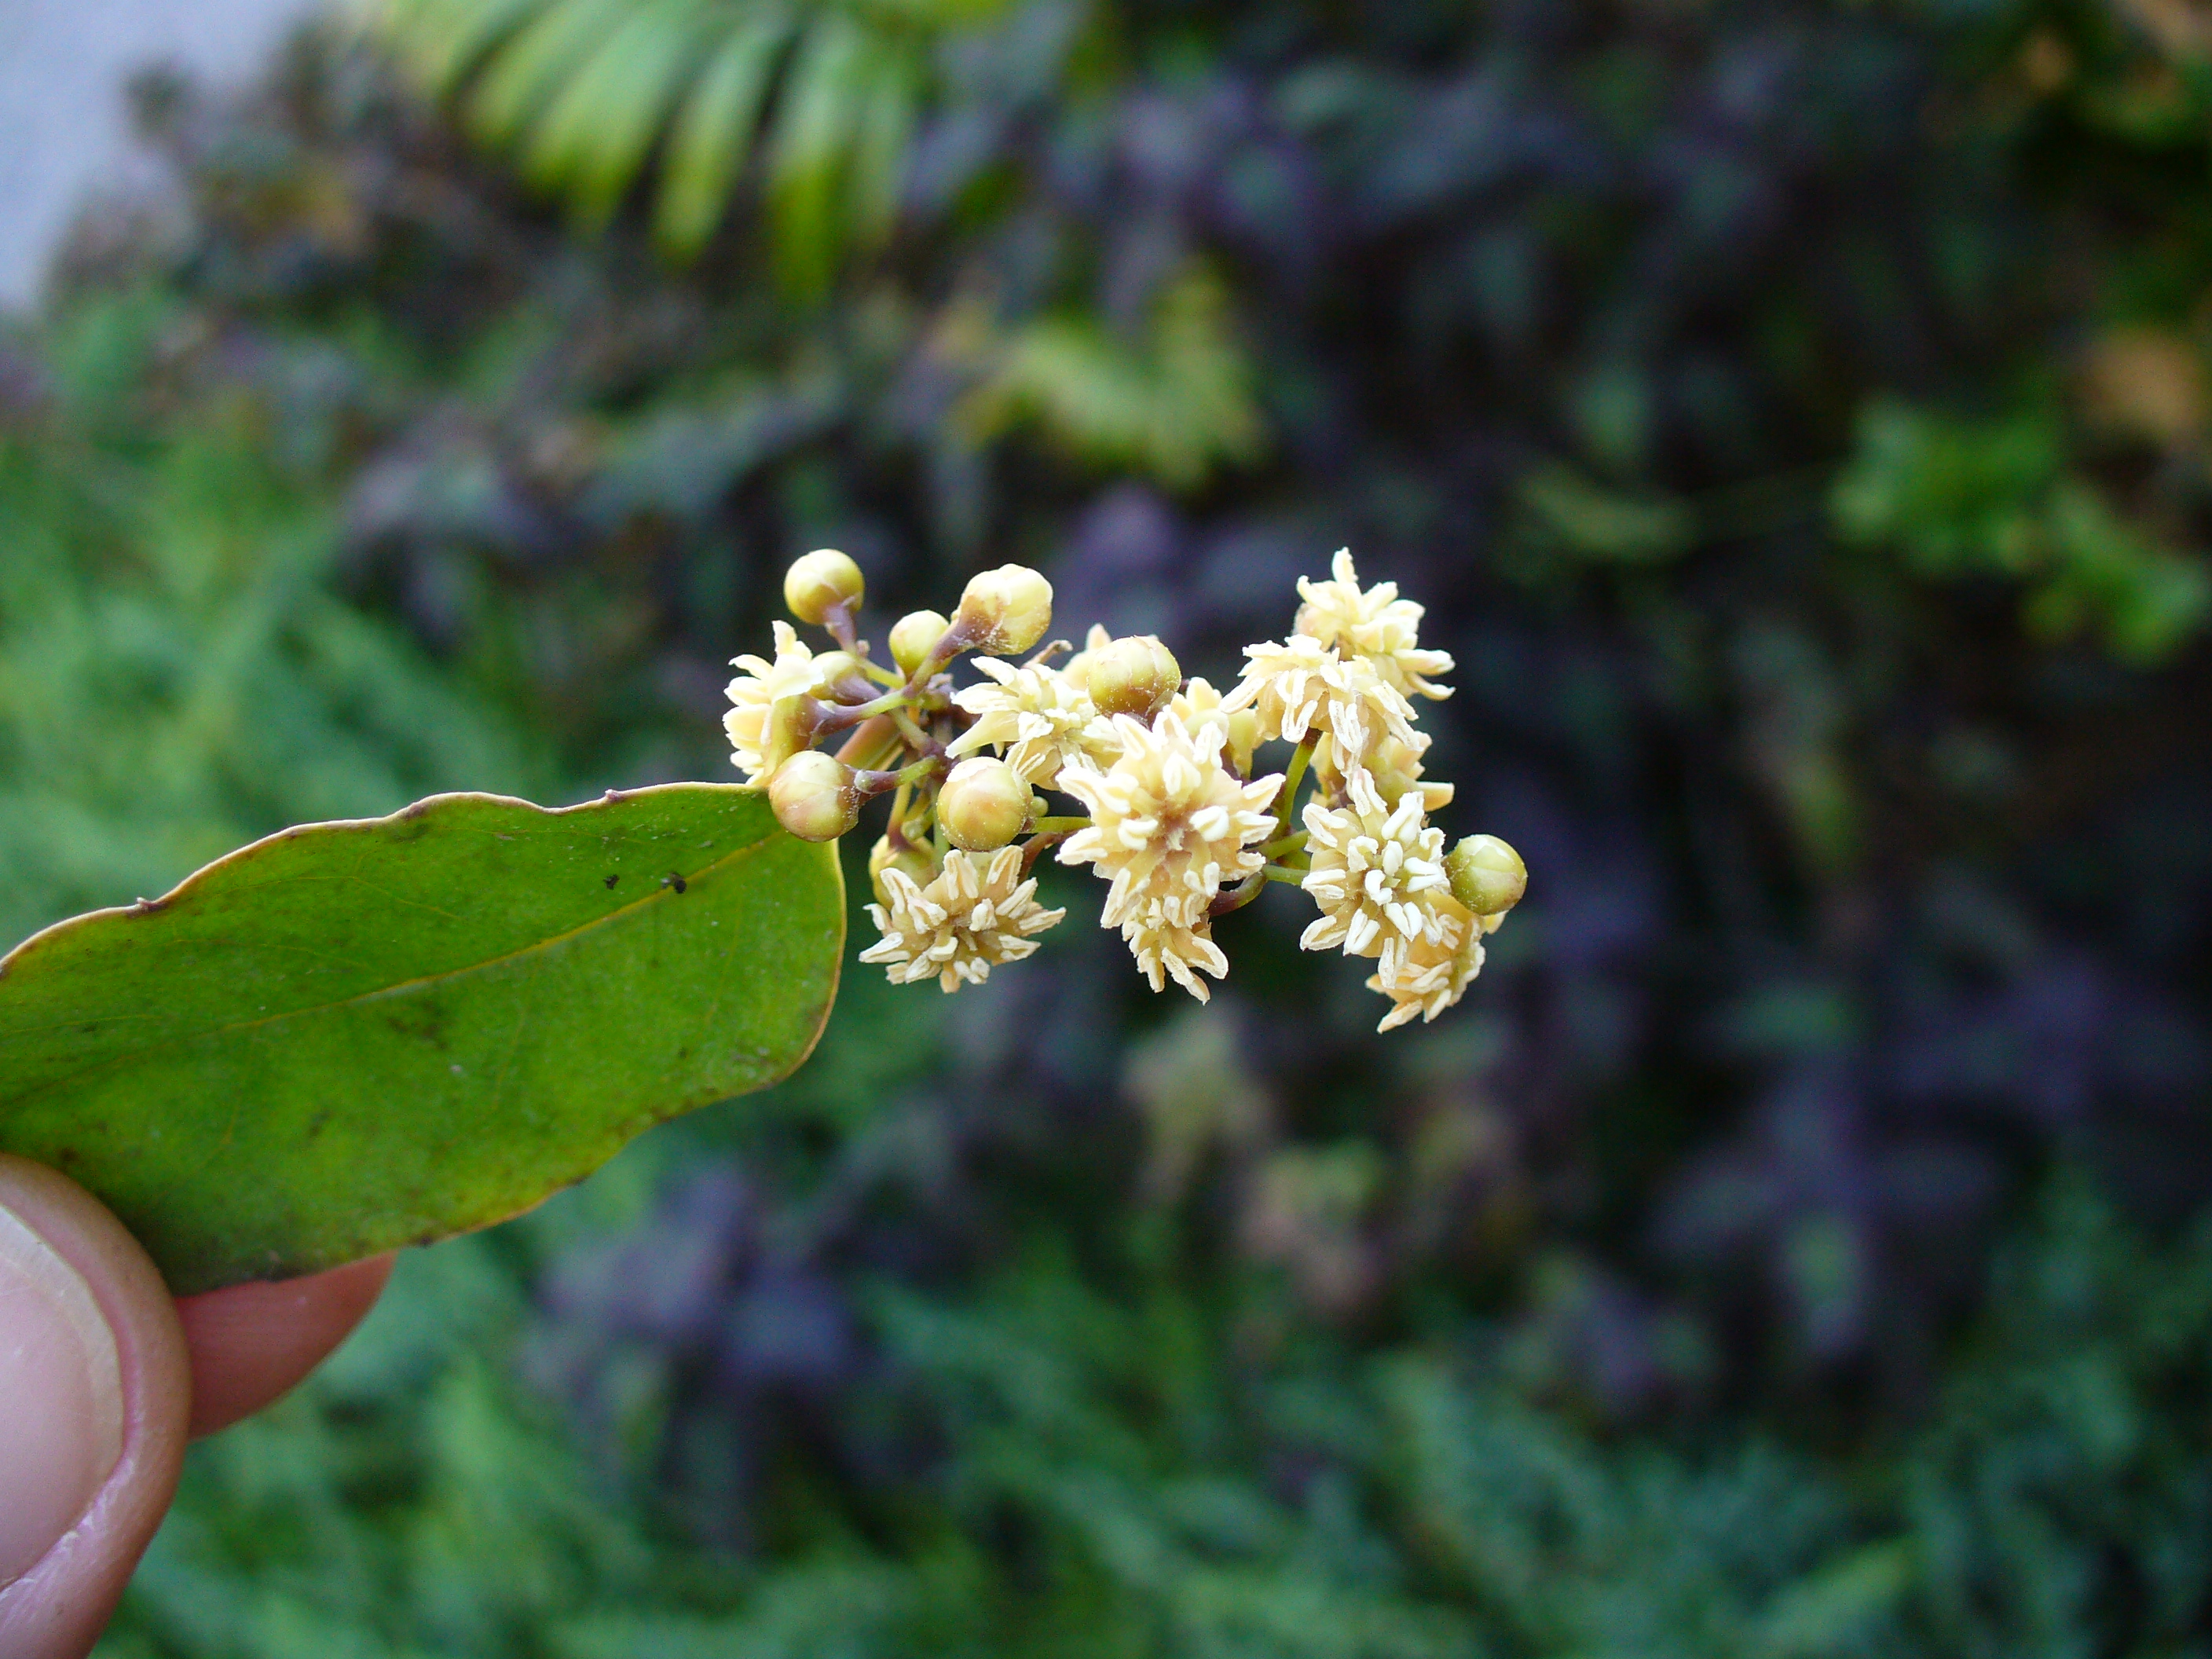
[(94, 1394)]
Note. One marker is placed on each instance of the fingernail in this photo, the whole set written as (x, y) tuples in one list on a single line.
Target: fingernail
[(61, 1398)]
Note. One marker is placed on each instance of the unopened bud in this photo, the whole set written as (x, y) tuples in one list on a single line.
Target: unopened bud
[(1005, 611), (1487, 876), (819, 580), (789, 727), (1133, 676), (841, 675), (914, 636), (983, 805), (912, 859), (1076, 671), (1243, 738), (814, 796)]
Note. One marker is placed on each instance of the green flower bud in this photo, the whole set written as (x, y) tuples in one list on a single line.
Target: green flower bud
[(1487, 876), (913, 637), (1133, 676), (840, 673), (914, 860), (790, 727), (983, 805), (814, 796), (1005, 611), (819, 580)]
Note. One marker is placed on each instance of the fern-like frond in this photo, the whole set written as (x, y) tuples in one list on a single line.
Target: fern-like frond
[(825, 93)]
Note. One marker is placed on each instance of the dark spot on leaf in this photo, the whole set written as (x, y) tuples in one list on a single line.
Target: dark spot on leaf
[(426, 1024), (612, 879), (672, 879)]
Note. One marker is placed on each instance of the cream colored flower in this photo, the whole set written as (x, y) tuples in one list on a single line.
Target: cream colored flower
[(1077, 668), (1396, 771), (1374, 623), (961, 926), (767, 699), (1430, 978), (1036, 714), (1164, 946), (1300, 685), (1378, 873), (1170, 824), (1199, 704)]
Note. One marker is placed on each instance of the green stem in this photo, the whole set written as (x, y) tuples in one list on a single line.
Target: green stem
[(1294, 874), (843, 715), (1293, 775), (1059, 826), (915, 736), (1291, 843), (1237, 896), (1036, 846), (876, 740)]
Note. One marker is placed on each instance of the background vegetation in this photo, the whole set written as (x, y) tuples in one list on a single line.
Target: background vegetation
[(1795, 415)]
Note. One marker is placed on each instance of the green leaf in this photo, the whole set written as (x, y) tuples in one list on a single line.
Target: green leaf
[(596, 133), (352, 1037), (713, 133)]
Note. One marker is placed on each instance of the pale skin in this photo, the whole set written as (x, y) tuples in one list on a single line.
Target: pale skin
[(90, 1446)]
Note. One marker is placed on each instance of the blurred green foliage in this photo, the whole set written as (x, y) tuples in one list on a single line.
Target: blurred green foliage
[(176, 674), (1794, 415), (586, 90), (1120, 1484)]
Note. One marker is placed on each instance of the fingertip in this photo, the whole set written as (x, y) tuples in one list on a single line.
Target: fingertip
[(74, 1265), (249, 1345)]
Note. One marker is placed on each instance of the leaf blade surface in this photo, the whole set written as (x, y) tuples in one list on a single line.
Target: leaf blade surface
[(351, 1036)]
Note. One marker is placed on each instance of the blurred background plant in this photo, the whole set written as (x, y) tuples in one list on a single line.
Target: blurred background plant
[(1794, 416)]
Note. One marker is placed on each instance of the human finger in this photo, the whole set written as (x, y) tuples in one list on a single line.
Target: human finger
[(97, 1393), (251, 1343)]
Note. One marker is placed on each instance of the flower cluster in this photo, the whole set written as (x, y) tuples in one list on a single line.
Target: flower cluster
[(1175, 813)]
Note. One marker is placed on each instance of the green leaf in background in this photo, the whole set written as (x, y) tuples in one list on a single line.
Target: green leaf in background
[(587, 91), (352, 1037)]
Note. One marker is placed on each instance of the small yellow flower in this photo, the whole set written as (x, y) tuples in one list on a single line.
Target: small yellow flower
[(1170, 825), (960, 927), (1431, 976), (1077, 668), (1299, 686), (1036, 714), (1396, 770), (767, 697), (1178, 951), (1377, 874), (1374, 623), (1198, 703)]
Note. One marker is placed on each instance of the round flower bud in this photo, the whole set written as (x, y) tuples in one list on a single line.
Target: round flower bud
[(1134, 676), (913, 636), (1005, 611), (819, 580), (1486, 875), (814, 797), (841, 675), (914, 860), (983, 805)]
